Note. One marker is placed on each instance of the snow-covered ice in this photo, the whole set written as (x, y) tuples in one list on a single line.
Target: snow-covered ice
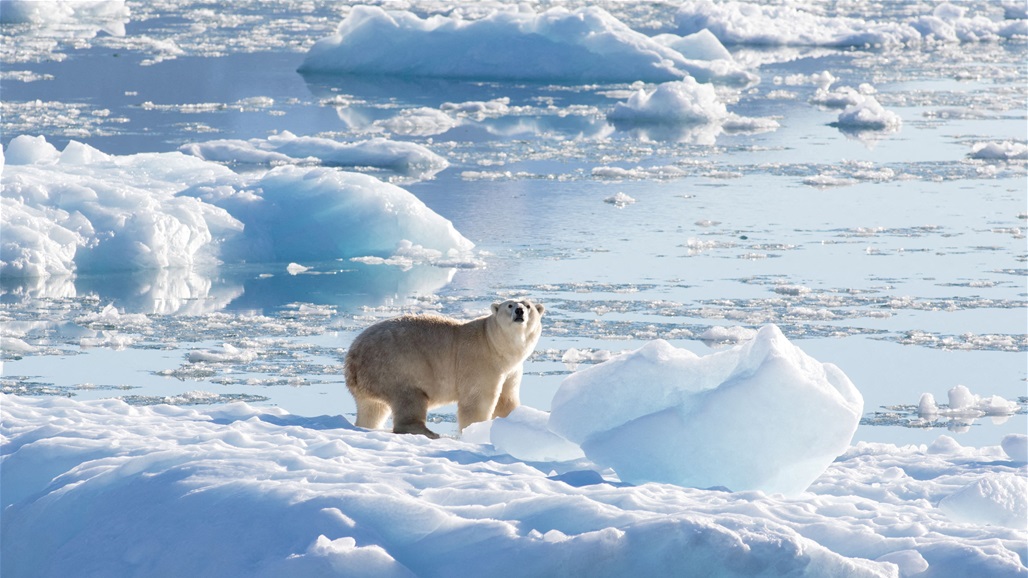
[(107, 487), (760, 416)]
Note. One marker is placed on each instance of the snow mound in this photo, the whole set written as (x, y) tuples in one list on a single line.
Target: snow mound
[(997, 500), (584, 45), (405, 157), (664, 414), (749, 23), (82, 210)]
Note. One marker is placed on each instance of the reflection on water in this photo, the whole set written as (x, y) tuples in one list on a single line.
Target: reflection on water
[(266, 287)]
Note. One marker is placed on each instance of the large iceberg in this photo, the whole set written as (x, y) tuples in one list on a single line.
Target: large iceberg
[(584, 45), (760, 416), (83, 210)]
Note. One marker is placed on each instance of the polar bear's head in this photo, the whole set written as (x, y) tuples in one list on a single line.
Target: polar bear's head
[(519, 312), (515, 327)]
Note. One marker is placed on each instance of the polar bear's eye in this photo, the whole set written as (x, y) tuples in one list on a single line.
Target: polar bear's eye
[(510, 306)]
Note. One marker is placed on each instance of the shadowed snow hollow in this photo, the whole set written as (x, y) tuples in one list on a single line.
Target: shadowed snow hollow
[(760, 416)]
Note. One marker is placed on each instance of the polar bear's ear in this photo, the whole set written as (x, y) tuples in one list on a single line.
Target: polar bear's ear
[(496, 307), (539, 307)]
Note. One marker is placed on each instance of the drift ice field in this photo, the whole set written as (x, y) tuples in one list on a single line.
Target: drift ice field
[(781, 248)]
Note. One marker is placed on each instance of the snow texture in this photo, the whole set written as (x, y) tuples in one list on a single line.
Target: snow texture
[(81, 210), (664, 414), (103, 487)]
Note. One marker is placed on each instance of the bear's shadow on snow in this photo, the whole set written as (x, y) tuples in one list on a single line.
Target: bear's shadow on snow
[(321, 422)]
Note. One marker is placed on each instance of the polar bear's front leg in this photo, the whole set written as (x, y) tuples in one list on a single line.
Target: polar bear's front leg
[(510, 394), (478, 405)]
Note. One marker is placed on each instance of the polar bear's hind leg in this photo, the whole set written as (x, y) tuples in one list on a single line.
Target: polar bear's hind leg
[(371, 413)]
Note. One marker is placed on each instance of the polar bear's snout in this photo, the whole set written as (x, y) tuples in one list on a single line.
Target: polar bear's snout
[(519, 313)]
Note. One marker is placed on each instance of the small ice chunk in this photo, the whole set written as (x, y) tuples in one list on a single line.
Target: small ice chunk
[(961, 399), (619, 200), (684, 102), (227, 353), (868, 114), (999, 151), (296, 268), (926, 406)]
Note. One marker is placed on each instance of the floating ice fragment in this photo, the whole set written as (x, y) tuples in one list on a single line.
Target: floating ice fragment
[(620, 200), (868, 114), (760, 416), (999, 151), (926, 406), (227, 353), (685, 101), (296, 268)]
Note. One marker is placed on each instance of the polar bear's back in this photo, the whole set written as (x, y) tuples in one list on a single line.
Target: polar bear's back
[(413, 349)]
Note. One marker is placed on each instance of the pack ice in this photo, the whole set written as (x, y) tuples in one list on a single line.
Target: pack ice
[(763, 415), (82, 210)]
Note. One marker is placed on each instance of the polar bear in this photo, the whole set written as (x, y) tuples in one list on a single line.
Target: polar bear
[(412, 363)]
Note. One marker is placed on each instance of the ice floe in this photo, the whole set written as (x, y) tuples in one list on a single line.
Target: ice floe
[(83, 210)]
